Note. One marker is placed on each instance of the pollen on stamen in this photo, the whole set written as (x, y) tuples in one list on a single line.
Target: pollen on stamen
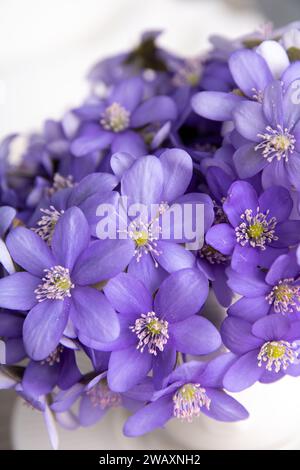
[(256, 229), (101, 395), (188, 401), (277, 355), (56, 284), (212, 255), (54, 357), (276, 143), (152, 333), (115, 118), (285, 296), (60, 182), (47, 223)]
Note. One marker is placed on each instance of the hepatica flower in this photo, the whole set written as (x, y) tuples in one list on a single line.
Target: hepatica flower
[(112, 122), (153, 331), (258, 229), (55, 285), (96, 398), (272, 129), (277, 291), (266, 350), (190, 390), (162, 183), (189, 183)]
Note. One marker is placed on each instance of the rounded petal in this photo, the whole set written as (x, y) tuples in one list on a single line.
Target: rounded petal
[(71, 236), (195, 335), (177, 168), (93, 316), (243, 373), (248, 161), (273, 104), (40, 378), (17, 291), (275, 56), (278, 201), (250, 309), (127, 367), (143, 181), (146, 271), (285, 266), (215, 105), (222, 238), (173, 257), (103, 260), (91, 184), (241, 196), (223, 407), (181, 295), (249, 120), (150, 417), (128, 295), (155, 109), (43, 328), (130, 142), (29, 251), (250, 71), (248, 284), (89, 414), (120, 162), (128, 93), (237, 335), (91, 141), (271, 327)]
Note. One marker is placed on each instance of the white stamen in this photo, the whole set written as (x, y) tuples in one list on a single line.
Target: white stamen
[(56, 284), (277, 354), (257, 230), (152, 332), (189, 400), (276, 143), (115, 118)]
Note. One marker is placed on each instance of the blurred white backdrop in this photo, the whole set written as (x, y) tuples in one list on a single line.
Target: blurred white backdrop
[(46, 47)]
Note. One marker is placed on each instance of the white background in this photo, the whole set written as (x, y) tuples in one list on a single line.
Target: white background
[(46, 47)]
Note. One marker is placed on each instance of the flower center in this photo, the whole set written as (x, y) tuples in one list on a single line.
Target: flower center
[(212, 255), (276, 143), (60, 182), (54, 357), (256, 229), (47, 223), (188, 401), (115, 118), (285, 296), (151, 332), (189, 73), (277, 354), (100, 395), (145, 234), (56, 284)]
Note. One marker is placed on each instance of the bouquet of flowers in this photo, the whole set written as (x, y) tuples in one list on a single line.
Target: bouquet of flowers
[(175, 179)]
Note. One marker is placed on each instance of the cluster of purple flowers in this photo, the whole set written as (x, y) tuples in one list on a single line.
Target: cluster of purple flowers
[(221, 130)]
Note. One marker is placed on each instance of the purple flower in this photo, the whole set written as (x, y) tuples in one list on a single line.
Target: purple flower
[(96, 398), (252, 71), (265, 350), (258, 229), (55, 286), (161, 182), (278, 291), (271, 129), (191, 389), (153, 331), (93, 190), (110, 123)]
